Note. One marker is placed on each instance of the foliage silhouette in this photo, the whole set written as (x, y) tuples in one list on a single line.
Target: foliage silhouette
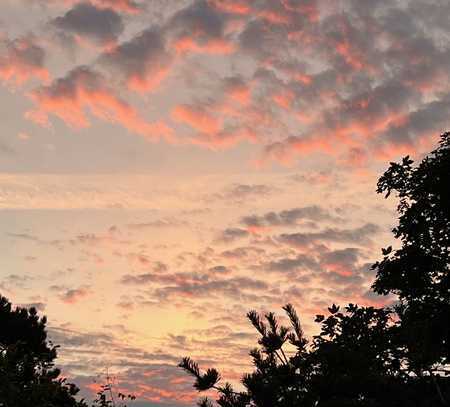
[(28, 376), (366, 356)]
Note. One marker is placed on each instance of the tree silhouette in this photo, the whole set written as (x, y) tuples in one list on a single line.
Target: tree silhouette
[(27, 373), (418, 272), (366, 356), (28, 377)]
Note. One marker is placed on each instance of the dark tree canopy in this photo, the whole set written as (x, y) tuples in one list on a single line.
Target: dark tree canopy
[(418, 272), (28, 376), (366, 356)]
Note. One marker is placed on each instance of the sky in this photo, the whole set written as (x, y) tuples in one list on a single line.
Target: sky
[(168, 165)]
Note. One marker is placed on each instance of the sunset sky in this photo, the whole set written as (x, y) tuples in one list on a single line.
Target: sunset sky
[(168, 165)]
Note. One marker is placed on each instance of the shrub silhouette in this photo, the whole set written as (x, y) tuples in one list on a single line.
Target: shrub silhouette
[(366, 356)]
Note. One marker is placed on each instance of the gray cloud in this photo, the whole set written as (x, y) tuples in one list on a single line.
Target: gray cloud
[(360, 235), (232, 234), (289, 265), (159, 223), (199, 19), (87, 21), (240, 253), (235, 287), (6, 149), (71, 295), (24, 236), (138, 279), (142, 61), (348, 256), (219, 270), (289, 217), (243, 192)]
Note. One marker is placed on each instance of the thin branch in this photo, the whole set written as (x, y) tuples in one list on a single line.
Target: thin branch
[(279, 357), (284, 355)]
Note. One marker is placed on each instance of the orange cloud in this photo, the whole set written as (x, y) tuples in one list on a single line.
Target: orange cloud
[(284, 151), (238, 91), (231, 6), (148, 83), (305, 118), (197, 119), (347, 135), (213, 131), (22, 60), (83, 90), (393, 150), (258, 230), (210, 46), (338, 268), (93, 46), (345, 50), (303, 78), (241, 95), (275, 17), (367, 128), (284, 99), (126, 6), (348, 49)]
